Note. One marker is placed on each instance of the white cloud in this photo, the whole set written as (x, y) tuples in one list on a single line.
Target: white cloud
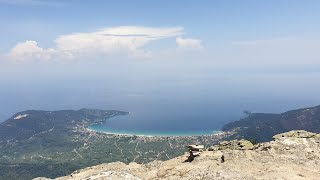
[(124, 40), (127, 39), (30, 50), (188, 43)]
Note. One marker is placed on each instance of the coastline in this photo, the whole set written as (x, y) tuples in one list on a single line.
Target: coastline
[(91, 128), (153, 135)]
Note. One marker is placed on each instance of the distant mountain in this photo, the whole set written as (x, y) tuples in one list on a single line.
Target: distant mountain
[(26, 124), (44, 143), (261, 127)]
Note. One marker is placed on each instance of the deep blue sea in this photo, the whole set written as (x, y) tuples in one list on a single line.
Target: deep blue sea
[(190, 106)]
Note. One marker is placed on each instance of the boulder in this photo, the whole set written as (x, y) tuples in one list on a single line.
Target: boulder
[(197, 147)]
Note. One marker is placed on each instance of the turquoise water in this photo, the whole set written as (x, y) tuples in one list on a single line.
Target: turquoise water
[(109, 127), (100, 128)]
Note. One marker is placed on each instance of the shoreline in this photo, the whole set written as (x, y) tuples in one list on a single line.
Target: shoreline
[(146, 134), (152, 135)]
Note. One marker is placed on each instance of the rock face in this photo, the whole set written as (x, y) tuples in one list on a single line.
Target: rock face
[(292, 155)]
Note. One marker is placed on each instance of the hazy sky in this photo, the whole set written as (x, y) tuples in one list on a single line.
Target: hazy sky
[(267, 47), (229, 34)]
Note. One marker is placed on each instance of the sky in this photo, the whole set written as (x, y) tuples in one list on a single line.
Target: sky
[(267, 48), (225, 33)]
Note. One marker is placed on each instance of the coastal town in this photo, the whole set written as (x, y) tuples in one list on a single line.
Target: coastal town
[(144, 148)]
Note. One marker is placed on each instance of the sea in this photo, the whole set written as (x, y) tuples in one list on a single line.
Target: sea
[(174, 107)]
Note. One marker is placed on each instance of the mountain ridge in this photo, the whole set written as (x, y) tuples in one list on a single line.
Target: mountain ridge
[(23, 125), (262, 126)]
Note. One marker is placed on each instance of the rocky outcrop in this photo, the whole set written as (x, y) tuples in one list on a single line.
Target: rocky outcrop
[(296, 134), (292, 155), (233, 145)]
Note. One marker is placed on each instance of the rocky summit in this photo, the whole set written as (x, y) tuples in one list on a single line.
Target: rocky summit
[(291, 155)]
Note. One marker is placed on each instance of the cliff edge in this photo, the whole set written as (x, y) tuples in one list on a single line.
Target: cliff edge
[(291, 155)]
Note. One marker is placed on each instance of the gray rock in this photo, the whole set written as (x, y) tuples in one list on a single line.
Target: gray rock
[(233, 145), (295, 134)]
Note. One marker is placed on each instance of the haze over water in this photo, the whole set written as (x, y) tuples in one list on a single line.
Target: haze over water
[(163, 104)]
